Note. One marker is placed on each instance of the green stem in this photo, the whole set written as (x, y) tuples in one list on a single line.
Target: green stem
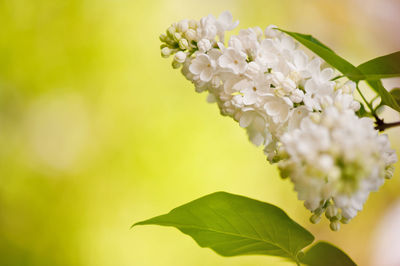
[(365, 100)]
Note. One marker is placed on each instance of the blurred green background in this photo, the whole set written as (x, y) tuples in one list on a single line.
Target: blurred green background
[(97, 131)]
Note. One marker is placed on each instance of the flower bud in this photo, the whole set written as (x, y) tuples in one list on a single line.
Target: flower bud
[(171, 31), (193, 24), (176, 64), (204, 45), (271, 31), (335, 225), (315, 218), (344, 220), (177, 36), (216, 82), (349, 87), (331, 211), (315, 117), (163, 37), (389, 171), (183, 25), (165, 52), (183, 44), (180, 57), (190, 34)]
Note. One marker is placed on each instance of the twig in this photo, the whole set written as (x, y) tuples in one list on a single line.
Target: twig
[(381, 126)]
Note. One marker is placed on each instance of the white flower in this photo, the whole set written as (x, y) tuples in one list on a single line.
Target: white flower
[(271, 31), (204, 45), (203, 67), (180, 57), (233, 60), (207, 28), (225, 23), (289, 104), (247, 42), (277, 108), (336, 158)]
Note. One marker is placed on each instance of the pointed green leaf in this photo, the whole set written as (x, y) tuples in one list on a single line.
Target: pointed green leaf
[(323, 253), (233, 225), (386, 66), (386, 97), (390, 66), (327, 54)]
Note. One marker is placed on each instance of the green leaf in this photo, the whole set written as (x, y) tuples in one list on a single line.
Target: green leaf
[(386, 66), (362, 112), (396, 94), (323, 253), (234, 225), (386, 97), (327, 54), (389, 63)]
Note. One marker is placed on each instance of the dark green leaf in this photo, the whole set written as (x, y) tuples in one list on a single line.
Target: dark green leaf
[(234, 225), (362, 112), (386, 66), (323, 253), (327, 54), (386, 97)]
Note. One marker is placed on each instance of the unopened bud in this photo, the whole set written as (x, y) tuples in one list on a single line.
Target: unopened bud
[(180, 57), (171, 31), (183, 25), (315, 218), (315, 117), (335, 225), (319, 211), (344, 220), (176, 64), (204, 45), (183, 44), (163, 37), (190, 34), (389, 172), (193, 24), (216, 82), (177, 36), (271, 31), (165, 52), (331, 212)]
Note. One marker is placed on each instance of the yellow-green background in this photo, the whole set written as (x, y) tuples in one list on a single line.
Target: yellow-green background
[(97, 131)]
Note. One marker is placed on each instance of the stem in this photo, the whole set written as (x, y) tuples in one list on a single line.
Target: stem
[(381, 126), (366, 102)]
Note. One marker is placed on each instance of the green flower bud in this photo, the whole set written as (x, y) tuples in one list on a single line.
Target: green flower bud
[(163, 37), (344, 220), (177, 36), (335, 225), (331, 211), (315, 218), (176, 64), (171, 31), (165, 52), (183, 44)]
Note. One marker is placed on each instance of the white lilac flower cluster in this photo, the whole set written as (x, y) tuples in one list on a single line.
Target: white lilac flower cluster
[(289, 104)]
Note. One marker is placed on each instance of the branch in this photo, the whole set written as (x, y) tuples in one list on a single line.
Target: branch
[(382, 126)]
